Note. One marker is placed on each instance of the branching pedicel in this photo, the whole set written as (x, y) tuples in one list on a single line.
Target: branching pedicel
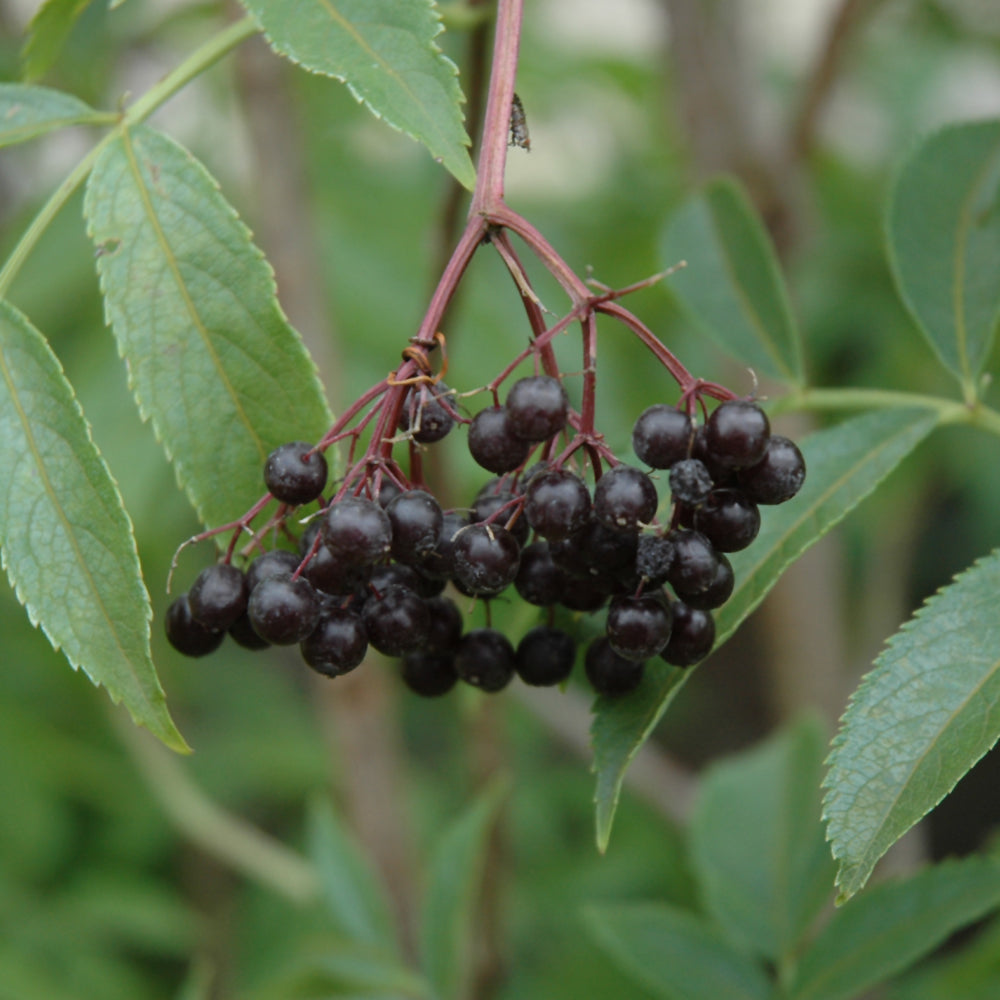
[(374, 563)]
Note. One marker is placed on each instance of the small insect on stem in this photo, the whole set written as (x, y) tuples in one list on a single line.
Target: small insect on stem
[(518, 125)]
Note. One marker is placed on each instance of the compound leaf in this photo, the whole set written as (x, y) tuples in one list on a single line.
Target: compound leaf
[(67, 541), (385, 52), (732, 286), (675, 954), (47, 33), (920, 719), (27, 111), (212, 359), (893, 925), (944, 243)]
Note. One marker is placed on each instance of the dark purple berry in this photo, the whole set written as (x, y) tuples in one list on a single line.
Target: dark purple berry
[(218, 597), (397, 621), (695, 562), (690, 482), (485, 659), (416, 519), (387, 492), (583, 593), (692, 637), (337, 644), (429, 674), (439, 563), (539, 580), (625, 498), (545, 656), (358, 531), (728, 520), (426, 414), (486, 559), (273, 563), (294, 473), (718, 591), (495, 497), (610, 674), (661, 436), (736, 434), (653, 559), (283, 609), (638, 627), (188, 636), (445, 629), (557, 503), (493, 444), (242, 633), (778, 476), (537, 407)]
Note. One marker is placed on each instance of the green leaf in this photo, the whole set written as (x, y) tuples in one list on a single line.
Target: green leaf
[(211, 358), (353, 895), (732, 286), (27, 112), (920, 719), (675, 954), (944, 243), (845, 464), (894, 924), (757, 842), (47, 33), (385, 52), (67, 541), (456, 867)]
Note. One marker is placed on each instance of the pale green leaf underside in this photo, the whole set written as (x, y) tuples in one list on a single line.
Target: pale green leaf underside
[(920, 719), (67, 541), (27, 112), (192, 302), (944, 242), (674, 954), (888, 928), (757, 842), (845, 463), (385, 52), (732, 286)]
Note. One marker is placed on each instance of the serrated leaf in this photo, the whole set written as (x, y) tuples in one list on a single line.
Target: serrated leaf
[(757, 842), (917, 723), (67, 541), (192, 302), (455, 873), (385, 52), (845, 463), (675, 954), (944, 243), (893, 925), (352, 894), (732, 286), (27, 112)]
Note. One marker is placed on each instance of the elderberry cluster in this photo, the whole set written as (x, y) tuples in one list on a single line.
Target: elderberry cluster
[(373, 566)]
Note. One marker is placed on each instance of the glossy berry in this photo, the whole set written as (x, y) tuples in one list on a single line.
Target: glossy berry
[(272, 563), (539, 580), (429, 675), (330, 574), (638, 627), (557, 503), (728, 520), (386, 493), (690, 482), (778, 476), (295, 474), (537, 407), (426, 415), (692, 637), (486, 559), (445, 626), (439, 563), (397, 621), (625, 498), (654, 557), (718, 591), (584, 593), (545, 656), (610, 674), (337, 644), (218, 597), (485, 659), (283, 610), (736, 433), (661, 436), (242, 633), (494, 498), (493, 444), (358, 531), (416, 519), (695, 562), (188, 636)]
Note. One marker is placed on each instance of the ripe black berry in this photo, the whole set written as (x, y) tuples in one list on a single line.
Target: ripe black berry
[(493, 444), (186, 635), (273, 563), (718, 591), (283, 610), (295, 474), (557, 503), (486, 559), (416, 519), (490, 499), (661, 436), (736, 433), (695, 562), (426, 415), (485, 659), (692, 637), (610, 674), (218, 597), (397, 621), (638, 627), (445, 628), (625, 498), (728, 520), (539, 580), (358, 531), (429, 674), (536, 407), (545, 656), (439, 563), (242, 633), (337, 644), (778, 476), (690, 482)]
